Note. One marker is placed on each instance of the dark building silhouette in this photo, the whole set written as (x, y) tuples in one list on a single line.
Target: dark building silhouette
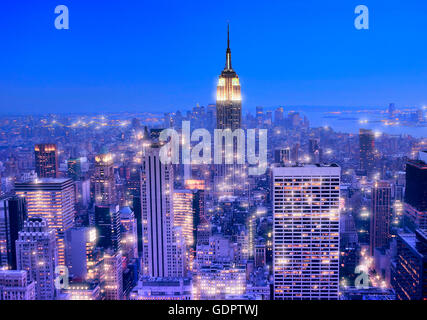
[(409, 275), (416, 192), (380, 216), (367, 150), (314, 151), (13, 213), (107, 222), (137, 209)]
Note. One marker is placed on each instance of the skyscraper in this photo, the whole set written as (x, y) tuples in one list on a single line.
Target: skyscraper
[(129, 235), (36, 253), (184, 219), (278, 116), (314, 151), (46, 156), (13, 213), (367, 150), (74, 168), (306, 232), (107, 223), (83, 259), (282, 156), (103, 183), (162, 253), (381, 215), (416, 191), (113, 275), (228, 99), (54, 200), (409, 278), (228, 177), (184, 214), (259, 116)]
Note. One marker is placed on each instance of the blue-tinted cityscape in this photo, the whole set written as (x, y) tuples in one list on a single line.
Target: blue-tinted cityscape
[(214, 201)]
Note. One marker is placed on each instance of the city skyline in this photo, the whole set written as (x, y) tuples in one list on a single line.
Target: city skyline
[(282, 204)]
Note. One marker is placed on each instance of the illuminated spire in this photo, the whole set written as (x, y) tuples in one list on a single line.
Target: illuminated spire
[(228, 54)]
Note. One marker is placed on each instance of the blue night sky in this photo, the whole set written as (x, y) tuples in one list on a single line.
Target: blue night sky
[(166, 55)]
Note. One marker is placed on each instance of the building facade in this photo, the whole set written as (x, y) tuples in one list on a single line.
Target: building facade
[(380, 216), (53, 200), (163, 254), (46, 159), (36, 254), (306, 232)]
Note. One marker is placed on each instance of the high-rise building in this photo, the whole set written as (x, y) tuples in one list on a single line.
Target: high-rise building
[(416, 191), (74, 168), (259, 115), (409, 277), (228, 177), (129, 233), (36, 253), (83, 259), (282, 156), (198, 187), (103, 183), (14, 285), (306, 232), (184, 220), (228, 99), (366, 150), (380, 216), (163, 255), (137, 209), (13, 213), (278, 116), (314, 151), (184, 214), (46, 156), (107, 223), (53, 200), (113, 276)]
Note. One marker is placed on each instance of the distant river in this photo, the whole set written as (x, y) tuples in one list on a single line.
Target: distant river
[(351, 119)]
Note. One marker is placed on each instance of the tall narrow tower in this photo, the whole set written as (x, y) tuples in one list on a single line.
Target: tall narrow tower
[(228, 97), (162, 254), (103, 184), (381, 215), (367, 150), (228, 177)]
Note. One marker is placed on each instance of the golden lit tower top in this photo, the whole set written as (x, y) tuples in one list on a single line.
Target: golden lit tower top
[(228, 97)]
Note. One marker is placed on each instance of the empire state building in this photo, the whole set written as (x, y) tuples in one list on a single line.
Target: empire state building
[(229, 177), (228, 97)]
